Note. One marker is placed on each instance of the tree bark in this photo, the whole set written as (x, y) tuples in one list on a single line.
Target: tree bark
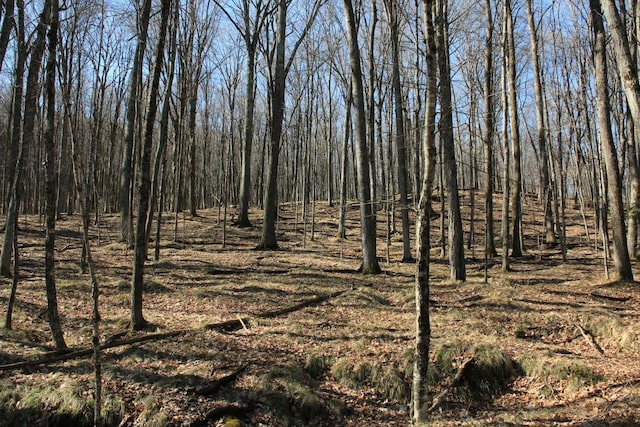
[(126, 234), (277, 92), (547, 196), (370, 263), (514, 124), (487, 138), (392, 15), (138, 321), (614, 182), (420, 398), (16, 150), (50, 181), (455, 235)]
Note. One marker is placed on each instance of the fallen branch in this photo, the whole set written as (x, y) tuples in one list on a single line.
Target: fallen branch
[(89, 351), (462, 370), (216, 385), (227, 325), (590, 339), (304, 304), (609, 297)]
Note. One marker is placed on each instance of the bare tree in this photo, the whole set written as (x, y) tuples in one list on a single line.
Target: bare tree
[(392, 15), (419, 398), (367, 220), (455, 235), (514, 124), (547, 196), (488, 135), (16, 149), (629, 74), (277, 83), (138, 321), (250, 22), (621, 253), (126, 216), (50, 182)]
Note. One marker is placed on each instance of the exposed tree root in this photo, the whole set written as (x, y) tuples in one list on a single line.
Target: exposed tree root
[(216, 385)]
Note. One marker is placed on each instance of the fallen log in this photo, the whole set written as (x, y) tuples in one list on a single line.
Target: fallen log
[(226, 325), (594, 294)]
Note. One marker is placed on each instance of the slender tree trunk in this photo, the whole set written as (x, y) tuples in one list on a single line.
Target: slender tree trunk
[(514, 124), (277, 88), (367, 219), (506, 153), (455, 234), (138, 322), (126, 234), (420, 398), (392, 15), (161, 149), (16, 150), (621, 254), (50, 182), (5, 30), (342, 233), (547, 196), (487, 141)]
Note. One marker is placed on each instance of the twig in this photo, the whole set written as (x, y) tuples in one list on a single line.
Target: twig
[(244, 326), (590, 339)]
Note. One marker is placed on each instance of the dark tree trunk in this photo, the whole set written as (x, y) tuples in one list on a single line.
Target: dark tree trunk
[(277, 90), (50, 182), (126, 234), (455, 235), (138, 322), (514, 124)]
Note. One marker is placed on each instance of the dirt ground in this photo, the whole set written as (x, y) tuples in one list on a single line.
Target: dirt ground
[(567, 337)]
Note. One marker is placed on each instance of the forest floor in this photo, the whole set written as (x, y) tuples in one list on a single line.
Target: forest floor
[(558, 342)]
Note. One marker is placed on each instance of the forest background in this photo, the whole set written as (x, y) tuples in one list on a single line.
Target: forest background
[(148, 108)]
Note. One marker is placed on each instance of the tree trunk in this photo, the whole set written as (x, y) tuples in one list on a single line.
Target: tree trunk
[(277, 92), (419, 398), (621, 254), (506, 153), (368, 226), (5, 30), (514, 124), (455, 235), (16, 151), (50, 182), (342, 233), (126, 234), (547, 196), (392, 15), (138, 322)]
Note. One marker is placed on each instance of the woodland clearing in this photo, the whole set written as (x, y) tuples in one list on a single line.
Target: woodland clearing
[(559, 342)]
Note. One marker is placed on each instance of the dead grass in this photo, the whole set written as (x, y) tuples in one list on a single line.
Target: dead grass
[(346, 362)]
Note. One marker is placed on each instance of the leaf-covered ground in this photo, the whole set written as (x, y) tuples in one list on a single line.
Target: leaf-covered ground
[(554, 342)]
